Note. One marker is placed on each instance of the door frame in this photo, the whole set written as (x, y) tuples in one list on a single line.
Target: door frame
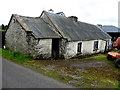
[(55, 48)]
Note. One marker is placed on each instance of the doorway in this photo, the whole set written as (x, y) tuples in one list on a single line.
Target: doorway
[(55, 48)]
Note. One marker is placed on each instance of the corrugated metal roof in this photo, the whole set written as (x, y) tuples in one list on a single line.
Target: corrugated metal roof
[(119, 30), (39, 27), (110, 28), (77, 30), (69, 29)]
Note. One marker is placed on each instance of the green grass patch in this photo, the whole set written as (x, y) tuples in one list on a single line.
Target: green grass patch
[(2, 30), (15, 56), (117, 51), (0, 51), (119, 85), (98, 57)]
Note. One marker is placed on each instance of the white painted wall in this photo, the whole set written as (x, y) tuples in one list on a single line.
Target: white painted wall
[(44, 48), (87, 48), (101, 45), (71, 50)]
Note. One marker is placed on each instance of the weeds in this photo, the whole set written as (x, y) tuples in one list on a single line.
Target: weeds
[(15, 56)]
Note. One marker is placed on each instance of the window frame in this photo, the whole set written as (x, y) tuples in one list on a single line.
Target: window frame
[(96, 43), (79, 47)]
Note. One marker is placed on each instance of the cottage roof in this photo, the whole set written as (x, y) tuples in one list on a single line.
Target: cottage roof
[(66, 28), (110, 29), (37, 26), (76, 30)]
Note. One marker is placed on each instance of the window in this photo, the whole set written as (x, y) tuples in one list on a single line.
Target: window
[(95, 45), (79, 47)]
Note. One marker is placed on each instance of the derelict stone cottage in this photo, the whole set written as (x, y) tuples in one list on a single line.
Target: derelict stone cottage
[(53, 35)]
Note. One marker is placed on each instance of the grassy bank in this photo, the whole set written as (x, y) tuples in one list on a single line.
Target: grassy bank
[(89, 72), (15, 56)]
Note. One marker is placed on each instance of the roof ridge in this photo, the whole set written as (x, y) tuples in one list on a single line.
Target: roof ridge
[(24, 16), (21, 22), (55, 25), (79, 31)]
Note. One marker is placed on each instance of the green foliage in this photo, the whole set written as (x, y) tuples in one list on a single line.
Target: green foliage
[(0, 51), (118, 85), (99, 57), (4, 27), (15, 56)]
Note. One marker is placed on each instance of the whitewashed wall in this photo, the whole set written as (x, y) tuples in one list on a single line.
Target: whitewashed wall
[(43, 48), (70, 50), (101, 46), (86, 49)]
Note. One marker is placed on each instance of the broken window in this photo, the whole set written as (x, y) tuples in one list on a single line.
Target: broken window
[(79, 47), (95, 45)]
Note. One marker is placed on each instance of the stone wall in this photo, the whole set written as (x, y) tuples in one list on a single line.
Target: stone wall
[(19, 40), (16, 37), (62, 47), (43, 49), (70, 50)]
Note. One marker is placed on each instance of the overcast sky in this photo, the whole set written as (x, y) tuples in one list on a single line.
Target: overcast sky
[(103, 12)]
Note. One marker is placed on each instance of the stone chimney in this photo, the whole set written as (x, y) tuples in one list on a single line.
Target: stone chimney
[(51, 11), (99, 25), (61, 13), (74, 18)]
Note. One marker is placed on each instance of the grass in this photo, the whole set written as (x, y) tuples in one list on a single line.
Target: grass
[(0, 51), (2, 30), (15, 56), (102, 77), (105, 76), (99, 56), (118, 85)]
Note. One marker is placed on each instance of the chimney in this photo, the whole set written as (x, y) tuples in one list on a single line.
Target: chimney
[(61, 13), (51, 11), (74, 18), (99, 25)]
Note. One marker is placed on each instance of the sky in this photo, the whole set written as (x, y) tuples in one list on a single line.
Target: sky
[(104, 12)]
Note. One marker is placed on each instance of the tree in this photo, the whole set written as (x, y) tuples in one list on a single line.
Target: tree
[(6, 27), (3, 27)]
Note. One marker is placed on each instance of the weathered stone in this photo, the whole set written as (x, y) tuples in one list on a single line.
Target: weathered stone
[(18, 39), (27, 35)]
